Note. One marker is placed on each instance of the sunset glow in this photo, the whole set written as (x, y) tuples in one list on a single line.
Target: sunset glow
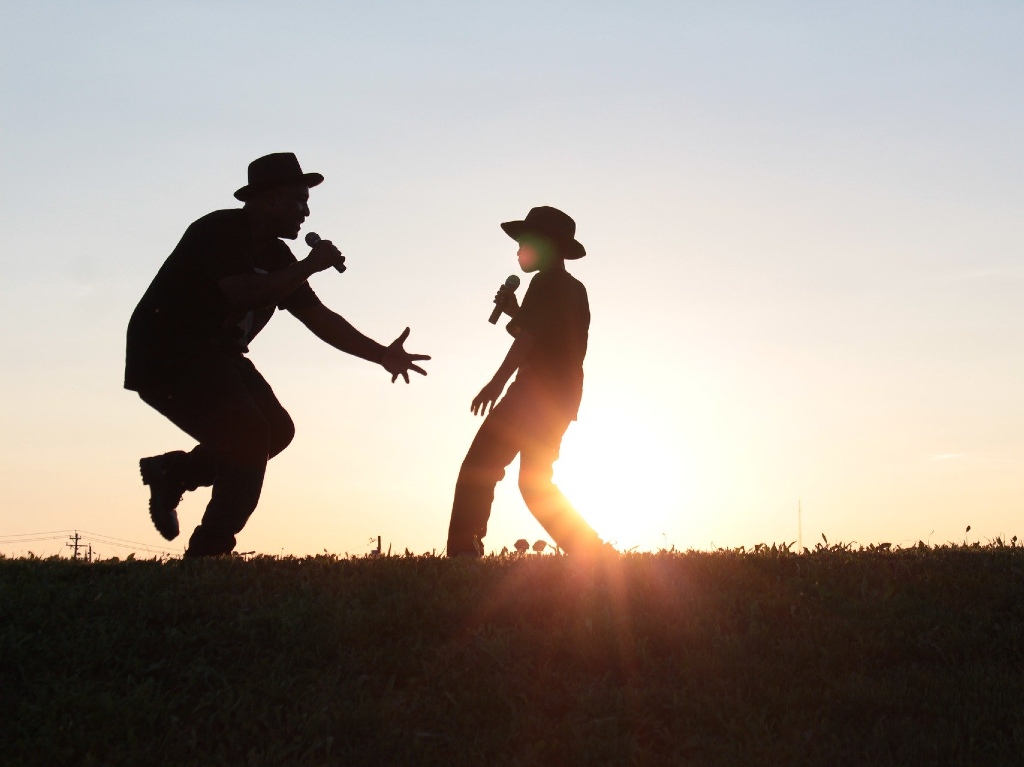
[(803, 235), (627, 477)]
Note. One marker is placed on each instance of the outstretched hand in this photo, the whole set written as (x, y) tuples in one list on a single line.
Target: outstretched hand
[(488, 395), (399, 362)]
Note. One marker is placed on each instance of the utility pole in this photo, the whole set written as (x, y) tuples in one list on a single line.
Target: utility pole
[(75, 539), (799, 527)]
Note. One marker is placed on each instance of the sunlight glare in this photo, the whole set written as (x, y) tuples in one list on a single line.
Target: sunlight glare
[(625, 476)]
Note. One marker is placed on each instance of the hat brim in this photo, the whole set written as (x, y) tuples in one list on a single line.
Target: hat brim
[(249, 191), (569, 248)]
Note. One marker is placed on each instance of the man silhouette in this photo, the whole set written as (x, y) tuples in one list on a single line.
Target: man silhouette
[(550, 331), (188, 337)]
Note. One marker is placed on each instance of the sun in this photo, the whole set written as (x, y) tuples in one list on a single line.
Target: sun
[(627, 478)]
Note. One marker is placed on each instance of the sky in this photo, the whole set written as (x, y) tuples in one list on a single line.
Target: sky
[(804, 259)]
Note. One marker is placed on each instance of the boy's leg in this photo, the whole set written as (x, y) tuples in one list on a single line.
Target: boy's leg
[(542, 496), (495, 446)]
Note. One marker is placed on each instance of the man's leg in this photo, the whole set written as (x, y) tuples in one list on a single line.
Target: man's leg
[(240, 470), (169, 476), (495, 446), (230, 409), (542, 496)]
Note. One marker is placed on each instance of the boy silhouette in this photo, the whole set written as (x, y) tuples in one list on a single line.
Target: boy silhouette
[(550, 331)]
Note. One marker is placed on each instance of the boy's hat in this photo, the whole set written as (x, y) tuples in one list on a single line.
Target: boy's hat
[(272, 170), (550, 223)]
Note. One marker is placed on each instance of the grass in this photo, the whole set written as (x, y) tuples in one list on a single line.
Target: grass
[(833, 657)]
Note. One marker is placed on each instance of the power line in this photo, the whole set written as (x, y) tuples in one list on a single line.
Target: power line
[(145, 549), (48, 532), (124, 544), (85, 538), (112, 538), (57, 534)]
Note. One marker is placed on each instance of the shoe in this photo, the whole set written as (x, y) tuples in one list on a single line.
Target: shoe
[(162, 474), (473, 550), (207, 542), (192, 553), (598, 553)]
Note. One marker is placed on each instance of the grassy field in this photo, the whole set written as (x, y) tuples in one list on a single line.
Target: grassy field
[(832, 657)]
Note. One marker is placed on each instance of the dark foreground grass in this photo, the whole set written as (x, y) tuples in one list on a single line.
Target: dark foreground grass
[(836, 657)]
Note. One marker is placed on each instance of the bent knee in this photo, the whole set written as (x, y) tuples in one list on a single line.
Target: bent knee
[(281, 437), (248, 444), (480, 473), (535, 485)]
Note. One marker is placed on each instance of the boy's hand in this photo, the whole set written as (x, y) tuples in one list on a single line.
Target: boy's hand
[(506, 300), (488, 395)]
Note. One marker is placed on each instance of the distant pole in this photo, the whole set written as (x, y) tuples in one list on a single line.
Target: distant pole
[(799, 526), (74, 543)]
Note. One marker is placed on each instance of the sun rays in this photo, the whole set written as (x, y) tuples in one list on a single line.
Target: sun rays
[(625, 475)]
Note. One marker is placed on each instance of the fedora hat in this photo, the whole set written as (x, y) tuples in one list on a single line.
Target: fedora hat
[(550, 223), (273, 170)]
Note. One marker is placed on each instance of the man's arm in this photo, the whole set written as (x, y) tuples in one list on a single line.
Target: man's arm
[(516, 356), (335, 330), (256, 291)]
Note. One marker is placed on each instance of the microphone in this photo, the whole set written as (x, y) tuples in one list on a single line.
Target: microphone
[(312, 238), (511, 283)]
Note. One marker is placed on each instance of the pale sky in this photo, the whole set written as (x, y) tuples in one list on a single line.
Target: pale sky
[(803, 227)]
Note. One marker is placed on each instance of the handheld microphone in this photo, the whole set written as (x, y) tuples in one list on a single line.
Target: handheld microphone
[(312, 238), (511, 283)]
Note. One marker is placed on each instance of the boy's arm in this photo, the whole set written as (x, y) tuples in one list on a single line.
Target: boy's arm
[(516, 356)]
